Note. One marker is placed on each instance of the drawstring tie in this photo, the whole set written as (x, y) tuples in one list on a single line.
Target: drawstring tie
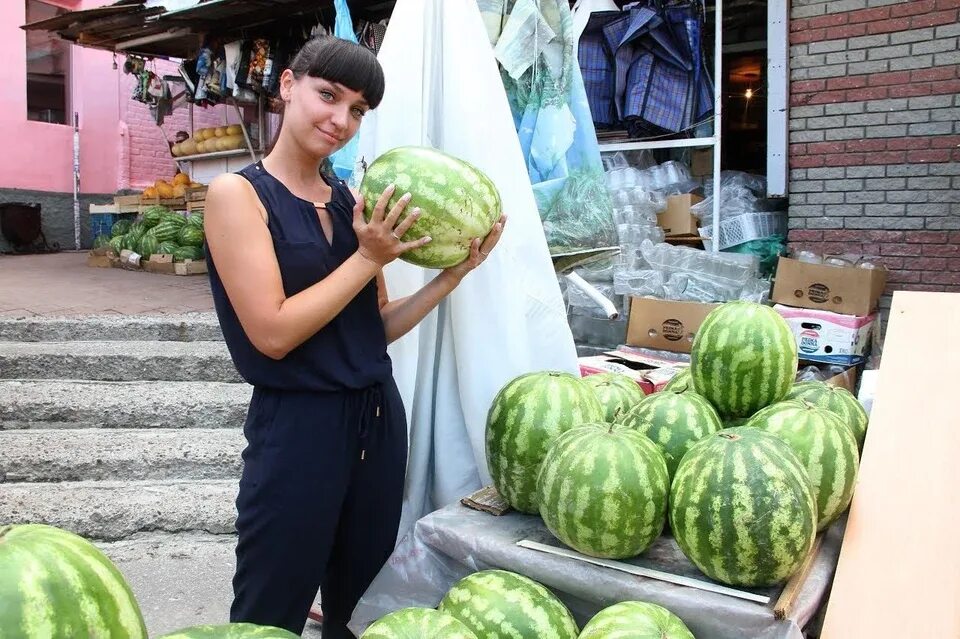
[(371, 400)]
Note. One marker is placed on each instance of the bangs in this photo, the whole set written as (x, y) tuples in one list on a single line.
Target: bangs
[(344, 62)]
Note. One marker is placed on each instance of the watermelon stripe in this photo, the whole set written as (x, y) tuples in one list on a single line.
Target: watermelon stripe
[(418, 623), (635, 620), (838, 401)]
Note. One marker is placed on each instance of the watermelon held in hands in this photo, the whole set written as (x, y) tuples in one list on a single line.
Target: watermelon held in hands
[(457, 201), (418, 623), (231, 631), (743, 358), (838, 401), (617, 393), (603, 490), (635, 620), (525, 417), (824, 444), (498, 603), (674, 420), (742, 508), (57, 585)]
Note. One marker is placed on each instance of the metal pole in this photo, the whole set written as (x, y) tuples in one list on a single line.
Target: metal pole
[(717, 119), (76, 180)]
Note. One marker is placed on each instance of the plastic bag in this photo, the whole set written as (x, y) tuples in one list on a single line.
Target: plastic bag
[(344, 160)]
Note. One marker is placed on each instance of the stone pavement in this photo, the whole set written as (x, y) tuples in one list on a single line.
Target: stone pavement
[(61, 284)]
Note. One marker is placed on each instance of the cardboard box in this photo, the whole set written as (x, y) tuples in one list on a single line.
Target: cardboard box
[(164, 264), (677, 219), (844, 290), (823, 336), (701, 162), (665, 325), (650, 373)]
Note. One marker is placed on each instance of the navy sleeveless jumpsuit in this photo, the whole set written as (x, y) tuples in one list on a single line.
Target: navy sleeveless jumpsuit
[(322, 484)]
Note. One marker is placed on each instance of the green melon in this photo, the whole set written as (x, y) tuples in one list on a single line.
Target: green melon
[(195, 219), (617, 393), (230, 631), (166, 248), (120, 227), (153, 215), (57, 585), (525, 417), (742, 508), (744, 358), (190, 235), (497, 603), (183, 253), (680, 382), (418, 623), (167, 231), (603, 490), (635, 620), (148, 245), (826, 447), (674, 420), (116, 243), (837, 400), (457, 201)]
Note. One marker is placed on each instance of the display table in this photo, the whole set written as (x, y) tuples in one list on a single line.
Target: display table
[(455, 541)]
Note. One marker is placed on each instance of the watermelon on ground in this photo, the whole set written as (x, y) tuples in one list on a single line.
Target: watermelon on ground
[(635, 620), (742, 508), (603, 490), (116, 243), (57, 585), (837, 400), (743, 358), (617, 393), (674, 420), (457, 201), (525, 417), (230, 631), (498, 603), (418, 623), (824, 444)]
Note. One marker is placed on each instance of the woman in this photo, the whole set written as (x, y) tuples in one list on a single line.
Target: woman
[(297, 284)]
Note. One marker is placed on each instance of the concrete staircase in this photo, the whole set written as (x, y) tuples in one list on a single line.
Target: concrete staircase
[(128, 431)]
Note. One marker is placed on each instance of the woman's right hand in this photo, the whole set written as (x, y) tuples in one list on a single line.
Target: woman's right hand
[(380, 237)]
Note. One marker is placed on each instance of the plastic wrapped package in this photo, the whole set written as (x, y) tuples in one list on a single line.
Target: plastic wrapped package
[(739, 193), (579, 303), (453, 542), (731, 268), (689, 287), (638, 283), (636, 234), (600, 271)]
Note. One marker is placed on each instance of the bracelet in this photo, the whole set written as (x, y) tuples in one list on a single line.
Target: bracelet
[(369, 259)]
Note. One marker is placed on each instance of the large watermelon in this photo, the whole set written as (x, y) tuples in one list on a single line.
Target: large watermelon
[(826, 447), (195, 219), (742, 508), (837, 400), (57, 585), (166, 248), (603, 490), (674, 420), (617, 393), (131, 241), (153, 215), (120, 227), (190, 235), (526, 416), (744, 358), (116, 243), (230, 631), (418, 623), (183, 253), (635, 620), (680, 382), (167, 230), (497, 603), (148, 244), (457, 201)]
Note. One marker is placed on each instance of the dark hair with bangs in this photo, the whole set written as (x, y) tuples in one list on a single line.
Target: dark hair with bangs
[(344, 62)]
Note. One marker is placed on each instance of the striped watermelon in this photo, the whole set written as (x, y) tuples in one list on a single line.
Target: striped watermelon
[(635, 620), (418, 623), (57, 585), (680, 382), (526, 416), (457, 201), (837, 400), (148, 244), (497, 603), (674, 420), (826, 447), (617, 393), (603, 490), (231, 631), (190, 235), (744, 358), (167, 230), (742, 508)]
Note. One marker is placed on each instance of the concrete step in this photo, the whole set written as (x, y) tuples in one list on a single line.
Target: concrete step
[(88, 404), (186, 327), (113, 510), (181, 580), (101, 454), (117, 361)]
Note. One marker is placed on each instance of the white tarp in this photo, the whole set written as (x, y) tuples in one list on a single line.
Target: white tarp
[(443, 89)]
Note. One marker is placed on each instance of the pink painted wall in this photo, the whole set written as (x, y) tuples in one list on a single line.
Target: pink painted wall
[(120, 145)]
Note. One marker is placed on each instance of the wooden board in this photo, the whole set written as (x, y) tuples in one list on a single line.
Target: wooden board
[(899, 570)]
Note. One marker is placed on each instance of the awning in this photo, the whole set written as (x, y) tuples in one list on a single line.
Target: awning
[(149, 29)]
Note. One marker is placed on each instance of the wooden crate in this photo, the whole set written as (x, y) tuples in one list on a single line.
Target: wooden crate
[(170, 203), (195, 193), (127, 203)]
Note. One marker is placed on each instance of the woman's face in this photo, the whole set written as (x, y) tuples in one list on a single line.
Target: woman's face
[(322, 115)]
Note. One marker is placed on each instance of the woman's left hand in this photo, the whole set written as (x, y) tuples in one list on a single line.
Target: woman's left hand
[(479, 250)]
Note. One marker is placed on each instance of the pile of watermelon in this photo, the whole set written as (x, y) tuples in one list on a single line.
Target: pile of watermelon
[(158, 230), (745, 465)]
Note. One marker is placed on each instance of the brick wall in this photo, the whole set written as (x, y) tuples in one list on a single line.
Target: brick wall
[(875, 135)]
